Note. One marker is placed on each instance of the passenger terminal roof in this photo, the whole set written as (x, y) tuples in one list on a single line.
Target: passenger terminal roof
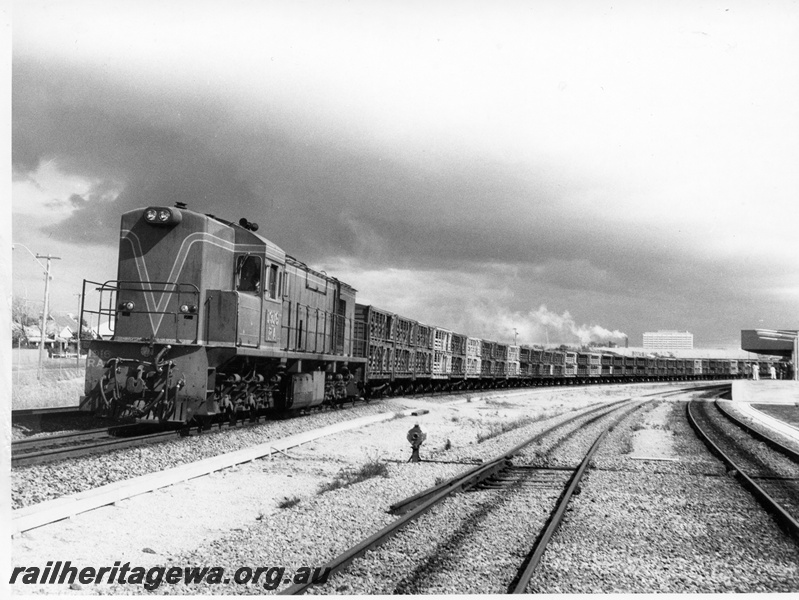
[(763, 342)]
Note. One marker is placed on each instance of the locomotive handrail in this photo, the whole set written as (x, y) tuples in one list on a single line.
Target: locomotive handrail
[(109, 291)]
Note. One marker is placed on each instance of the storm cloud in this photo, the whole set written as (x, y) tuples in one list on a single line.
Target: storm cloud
[(563, 228)]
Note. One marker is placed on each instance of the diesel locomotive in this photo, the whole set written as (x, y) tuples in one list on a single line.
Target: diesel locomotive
[(207, 319)]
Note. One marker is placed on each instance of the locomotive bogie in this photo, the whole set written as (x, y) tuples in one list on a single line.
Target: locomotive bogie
[(146, 381)]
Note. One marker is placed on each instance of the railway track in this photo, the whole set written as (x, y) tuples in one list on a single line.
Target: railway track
[(496, 486), (768, 470), (770, 441), (82, 443), (74, 444), (53, 448)]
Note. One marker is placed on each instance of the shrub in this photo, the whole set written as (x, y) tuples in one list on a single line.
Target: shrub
[(347, 477), (288, 502)]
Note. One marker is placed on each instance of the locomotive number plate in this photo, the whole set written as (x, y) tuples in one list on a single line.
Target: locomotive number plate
[(272, 326)]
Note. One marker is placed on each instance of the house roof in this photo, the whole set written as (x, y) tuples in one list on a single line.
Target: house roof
[(63, 320)]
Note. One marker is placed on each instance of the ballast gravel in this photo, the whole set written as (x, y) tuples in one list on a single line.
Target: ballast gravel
[(666, 526), (674, 521), (317, 530), (37, 483), (473, 542)]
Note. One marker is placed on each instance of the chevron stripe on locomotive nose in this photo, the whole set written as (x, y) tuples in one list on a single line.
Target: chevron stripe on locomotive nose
[(155, 307)]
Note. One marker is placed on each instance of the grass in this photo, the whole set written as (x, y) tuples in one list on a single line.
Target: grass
[(496, 429), (500, 403), (788, 413), (626, 445), (288, 502), (60, 386), (346, 477)]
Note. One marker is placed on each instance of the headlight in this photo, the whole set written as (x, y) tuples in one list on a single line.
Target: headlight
[(127, 306), (188, 308), (157, 215)]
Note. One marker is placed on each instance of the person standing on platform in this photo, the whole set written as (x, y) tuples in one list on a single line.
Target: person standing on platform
[(773, 371), (755, 372)]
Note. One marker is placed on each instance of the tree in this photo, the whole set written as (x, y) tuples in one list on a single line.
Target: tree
[(22, 312), (23, 315)]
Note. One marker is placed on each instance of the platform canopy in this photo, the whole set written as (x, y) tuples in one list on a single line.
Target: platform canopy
[(777, 342)]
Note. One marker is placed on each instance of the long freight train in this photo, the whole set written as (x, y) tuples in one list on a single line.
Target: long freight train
[(207, 319)]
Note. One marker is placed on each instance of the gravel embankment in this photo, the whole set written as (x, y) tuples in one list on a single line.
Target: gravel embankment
[(318, 529), (778, 474), (673, 522), (476, 541), (666, 526), (37, 483), (785, 440)]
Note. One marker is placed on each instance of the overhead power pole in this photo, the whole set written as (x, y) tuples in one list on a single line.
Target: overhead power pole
[(80, 327), (46, 308)]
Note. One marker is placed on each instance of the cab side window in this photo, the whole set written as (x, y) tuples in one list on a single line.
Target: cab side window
[(248, 274), (272, 273)]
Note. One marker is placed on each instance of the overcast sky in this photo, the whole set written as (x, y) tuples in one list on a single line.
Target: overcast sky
[(572, 170)]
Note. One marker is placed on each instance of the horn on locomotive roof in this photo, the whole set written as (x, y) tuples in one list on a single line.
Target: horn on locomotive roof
[(247, 225), (180, 205)]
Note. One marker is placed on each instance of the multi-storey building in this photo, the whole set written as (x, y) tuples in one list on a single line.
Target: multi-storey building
[(668, 340)]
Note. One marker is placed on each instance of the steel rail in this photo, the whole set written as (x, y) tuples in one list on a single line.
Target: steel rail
[(531, 562), (114, 443), (462, 481), (466, 480), (56, 440), (104, 444), (788, 522), (763, 437), (406, 504), (382, 536), (522, 579)]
